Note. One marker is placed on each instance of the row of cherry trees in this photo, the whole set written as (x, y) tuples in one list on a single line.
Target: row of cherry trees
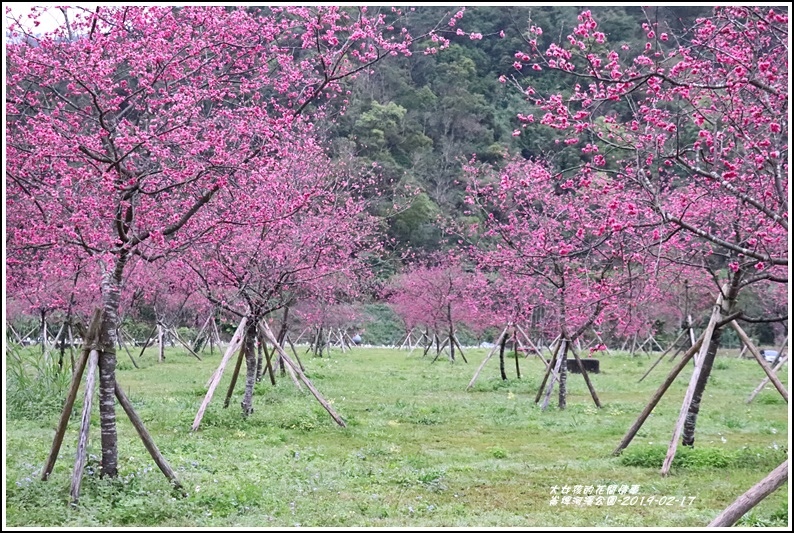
[(143, 135), (179, 146)]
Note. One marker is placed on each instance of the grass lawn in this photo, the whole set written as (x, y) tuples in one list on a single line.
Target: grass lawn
[(419, 449)]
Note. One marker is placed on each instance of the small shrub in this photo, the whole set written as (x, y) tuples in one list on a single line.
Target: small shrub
[(498, 453)]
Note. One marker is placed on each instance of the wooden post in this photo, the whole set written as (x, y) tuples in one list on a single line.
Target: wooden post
[(752, 497), (146, 344), (268, 364), (690, 392), (661, 356), (269, 334), (532, 345), (235, 344), (234, 377), (555, 373), (780, 363), (77, 376), (85, 424), (490, 354), (295, 352), (151, 447), (657, 396), (201, 332), (460, 349), (586, 378), (175, 334), (549, 370), (761, 361)]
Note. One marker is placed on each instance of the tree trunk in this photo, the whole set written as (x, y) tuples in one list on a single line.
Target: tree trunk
[(43, 331), (260, 369), (694, 407), (250, 367), (502, 358), (515, 354), (563, 391), (111, 294)]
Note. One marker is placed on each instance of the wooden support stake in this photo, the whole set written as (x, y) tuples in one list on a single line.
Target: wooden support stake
[(549, 370), (295, 353), (657, 396), (234, 345), (690, 392), (761, 361), (782, 361), (85, 424), (151, 447), (234, 376), (303, 378), (556, 372), (77, 376), (183, 343), (586, 378), (662, 356), (268, 363), (490, 354), (752, 497), (460, 349), (532, 345)]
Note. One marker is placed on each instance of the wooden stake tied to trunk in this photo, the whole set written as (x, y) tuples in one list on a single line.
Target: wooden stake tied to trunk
[(234, 345), (679, 427), (490, 354), (296, 369), (85, 424)]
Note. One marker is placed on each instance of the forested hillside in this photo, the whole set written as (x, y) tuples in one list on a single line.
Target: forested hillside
[(420, 117)]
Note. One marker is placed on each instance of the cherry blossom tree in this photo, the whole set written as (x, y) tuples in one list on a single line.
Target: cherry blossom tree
[(694, 127), (126, 123), (566, 245), (307, 236), (440, 297)]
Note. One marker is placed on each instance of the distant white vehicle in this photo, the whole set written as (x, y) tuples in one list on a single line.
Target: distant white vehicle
[(770, 355), (487, 344)]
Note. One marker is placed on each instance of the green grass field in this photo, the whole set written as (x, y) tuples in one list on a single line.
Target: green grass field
[(418, 451)]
